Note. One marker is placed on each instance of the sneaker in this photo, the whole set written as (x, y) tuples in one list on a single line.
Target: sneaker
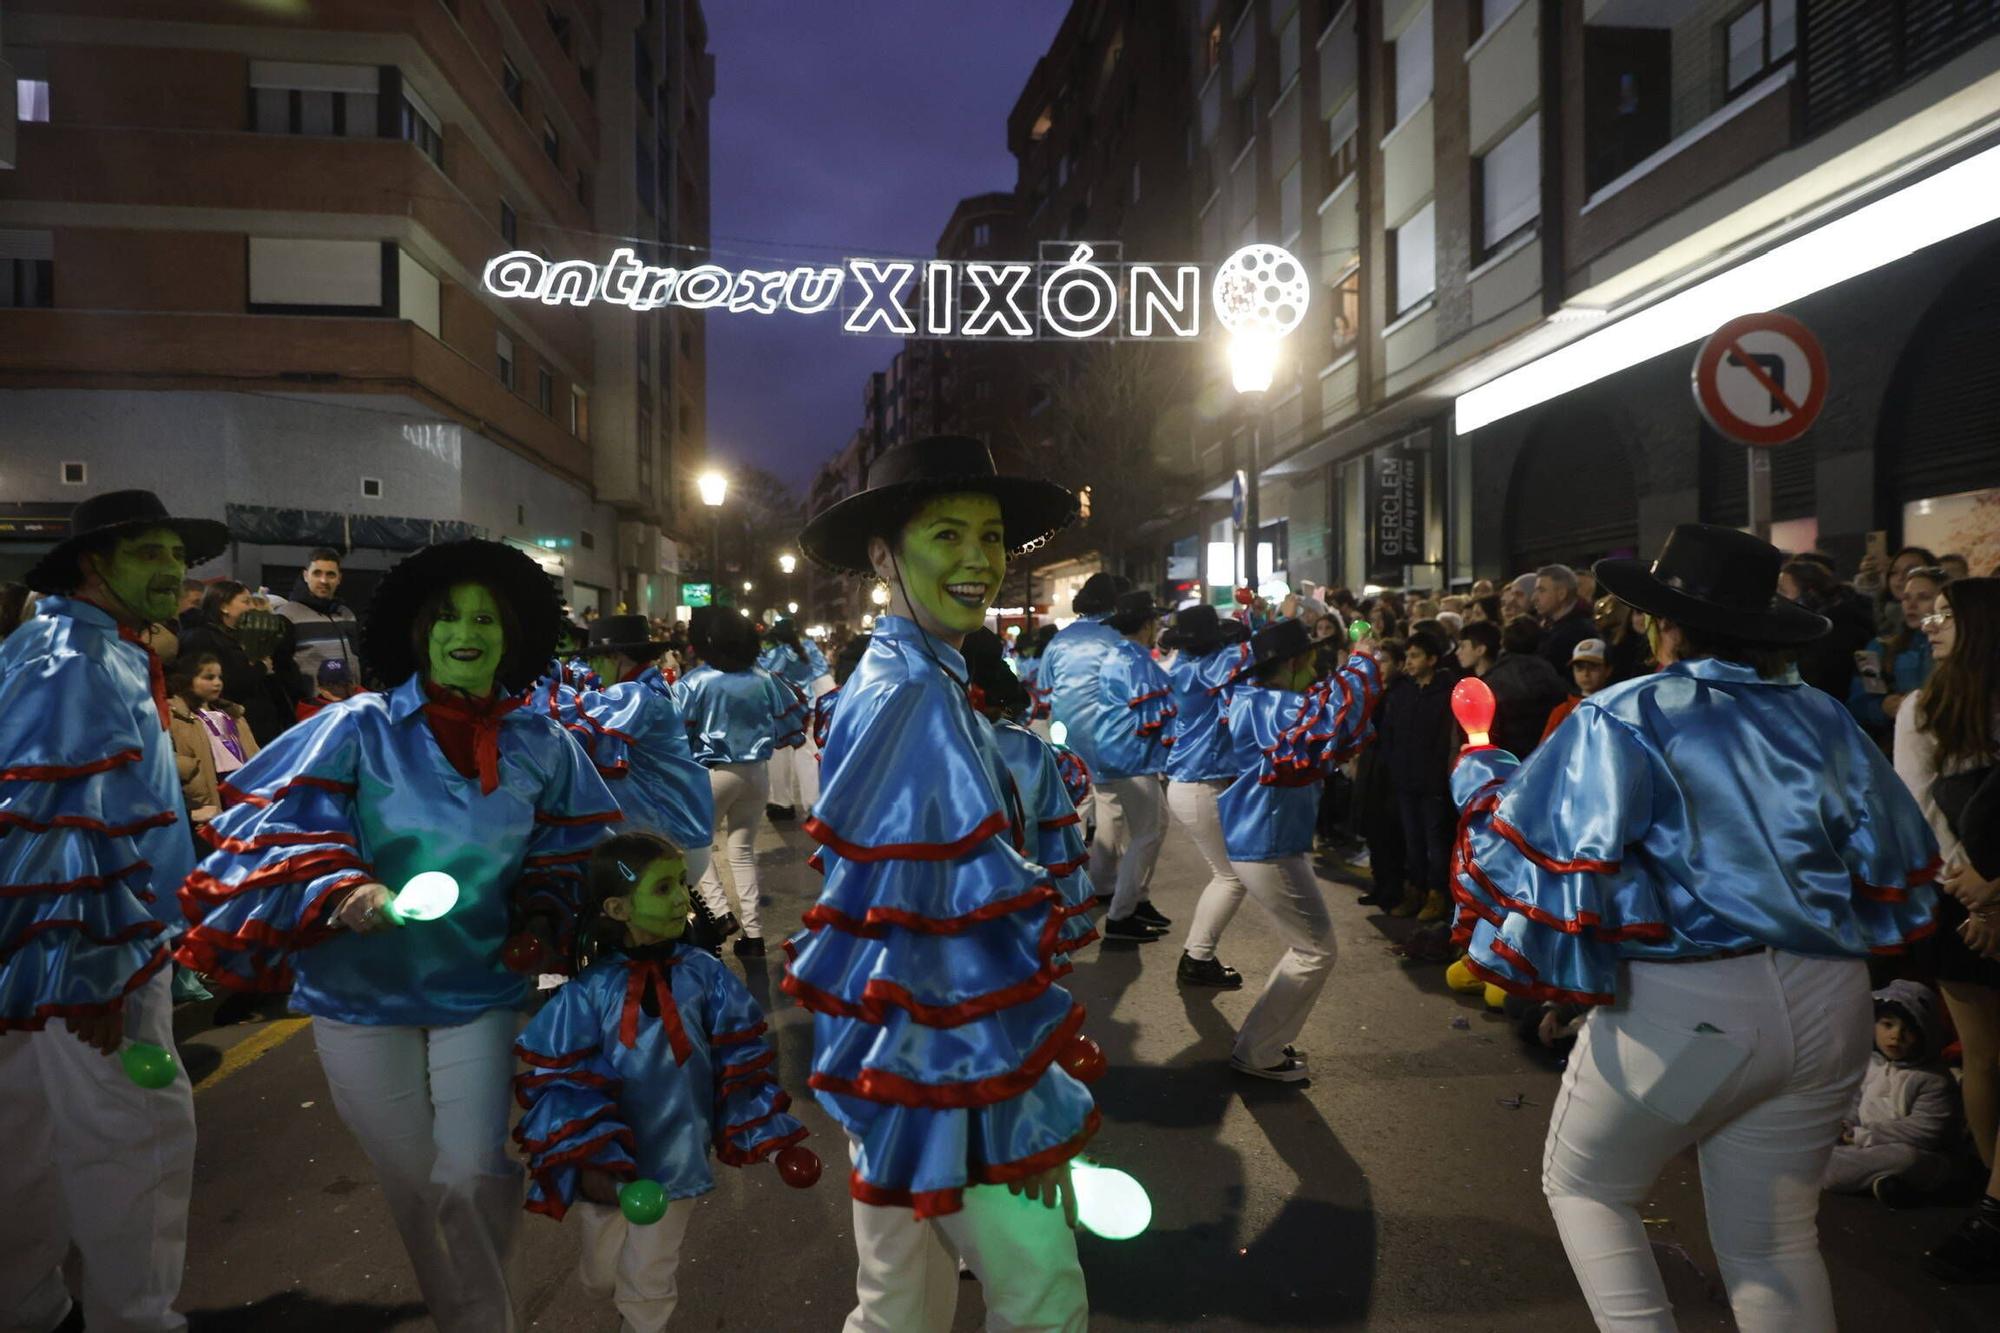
[(774, 813), (1411, 903), (1970, 1254), (1895, 1192), (1150, 914), (1436, 906), (1359, 860), (1207, 972), (1291, 1069), (750, 946), (1129, 928)]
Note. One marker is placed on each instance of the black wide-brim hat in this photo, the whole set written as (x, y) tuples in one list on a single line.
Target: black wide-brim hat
[(1132, 610), (1031, 509), (116, 514), (514, 580), (630, 635), (1279, 641), (1198, 630), (1717, 580)]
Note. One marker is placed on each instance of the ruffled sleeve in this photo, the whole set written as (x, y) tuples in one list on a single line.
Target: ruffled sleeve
[(822, 717), (575, 813), (78, 930), (1075, 775), (751, 1117), (815, 659), (1059, 848), (789, 708), (279, 856), (638, 742), (1138, 705), (569, 1093)]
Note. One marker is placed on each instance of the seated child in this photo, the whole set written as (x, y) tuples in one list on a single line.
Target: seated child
[(1898, 1139), (653, 1058), (331, 683)]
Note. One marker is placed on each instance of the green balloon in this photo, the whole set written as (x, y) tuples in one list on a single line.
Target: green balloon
[(148, 1065), (1109, 1202), (642, 1201), (1359, 630)]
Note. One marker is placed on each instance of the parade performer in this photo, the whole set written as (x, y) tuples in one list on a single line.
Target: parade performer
[(738, 715), (650, 1062), (1028, 665), (844, 662), (794, 772), (93, 843), (929, 961), (415, 1019), (1708, 853), (1208, 652), (1285, 733), (1068, 675)]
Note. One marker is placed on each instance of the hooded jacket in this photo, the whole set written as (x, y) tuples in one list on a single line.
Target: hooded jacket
[(326, 629), (1914, 1101)]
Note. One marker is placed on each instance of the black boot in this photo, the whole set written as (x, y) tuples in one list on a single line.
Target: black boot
[(1972, 1253), (1150, 914), (750, 946), (1207, 972)]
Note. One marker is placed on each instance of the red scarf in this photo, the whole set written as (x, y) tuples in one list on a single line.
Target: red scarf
[(648, 980), (156, 675), (468, 731)]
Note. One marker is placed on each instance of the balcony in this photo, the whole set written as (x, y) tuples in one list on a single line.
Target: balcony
[(1854, 52)]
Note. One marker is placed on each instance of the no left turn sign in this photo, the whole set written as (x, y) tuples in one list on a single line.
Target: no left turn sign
[(1761, 379)]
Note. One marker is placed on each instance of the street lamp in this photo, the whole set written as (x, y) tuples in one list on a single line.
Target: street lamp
[(787, 562), (792, 608), (714, 486), (880, 596), (1253, 360), (748, 585)]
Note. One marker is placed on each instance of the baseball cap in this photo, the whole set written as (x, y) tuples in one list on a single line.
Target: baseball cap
[(1590, 650)]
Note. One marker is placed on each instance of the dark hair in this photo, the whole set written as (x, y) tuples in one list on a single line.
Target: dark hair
[(320, 553), (512, 665), (1770, 661), (1393, 649), (1815, 581), (1489, 607), (14, 598), (1432, 641), (1924, 551), (1521, 635), (1484, 633), (731, 645), (180, 680), (786, 634), (616, 866), (849, 658), (1958, 702), (220, 594)]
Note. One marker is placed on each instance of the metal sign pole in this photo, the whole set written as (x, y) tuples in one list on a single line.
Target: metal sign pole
[(1760, 493)]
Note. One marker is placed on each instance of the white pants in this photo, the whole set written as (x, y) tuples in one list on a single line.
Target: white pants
[(429, 1107), (1289, 892), (1193, 805), (633, 1266), (90, 1159), (1124, 864), (795, 773), (1759, 1091), (740, 793), (1022, 1253)]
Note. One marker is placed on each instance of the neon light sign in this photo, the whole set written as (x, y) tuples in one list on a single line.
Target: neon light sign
[(1070, 294)]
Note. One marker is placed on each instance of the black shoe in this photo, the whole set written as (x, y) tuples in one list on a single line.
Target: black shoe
[(1287, 1070), (1207, 972), (1130, 928), (1150, 914), (778, 814), (750, 946), (1970, 1254), (1895, 1192), (729, 925)]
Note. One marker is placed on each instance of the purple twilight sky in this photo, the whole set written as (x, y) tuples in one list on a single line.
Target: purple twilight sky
[(843, 127)]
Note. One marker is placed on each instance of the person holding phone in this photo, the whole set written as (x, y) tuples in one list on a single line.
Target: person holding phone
[(1894, 665)]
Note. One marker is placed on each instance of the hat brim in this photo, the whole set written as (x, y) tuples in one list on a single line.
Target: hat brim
[(61, 570), (629, 649), (513, 578), (1031, 511), (1781, 624)]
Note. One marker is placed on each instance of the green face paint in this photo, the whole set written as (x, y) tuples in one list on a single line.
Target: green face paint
[(467, 642), (1298, 675), (953, 557), (145, 572), (606, 668), (659, 905)]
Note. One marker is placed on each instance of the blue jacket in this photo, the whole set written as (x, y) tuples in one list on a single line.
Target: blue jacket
[(1905, 671), (635, 737), (1283, 744), (739, 717), (1200, 746)]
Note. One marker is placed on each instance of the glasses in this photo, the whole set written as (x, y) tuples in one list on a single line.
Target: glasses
[(1935, 620)]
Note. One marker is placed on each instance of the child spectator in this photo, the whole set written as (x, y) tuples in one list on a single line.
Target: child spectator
[(332, 682), (212, 739), (1905, 1121), (1377, 818), (1590, 668)]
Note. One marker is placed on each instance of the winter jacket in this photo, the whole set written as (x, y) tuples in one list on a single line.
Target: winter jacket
[(1525, 690), (1416, 733), (194, 753), (1908, 1101), (260, 690), (1904, 673), (1563, 635), (1828, 663), (324, 629)]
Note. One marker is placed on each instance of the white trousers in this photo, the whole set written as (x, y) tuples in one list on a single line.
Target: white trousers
[(795, 773), (633, 1266), (740, 793), (429, 1106), (1287, 890), (1022, 1253), (1138, 807), (89, 1159), (1193, 805), (1752, 1061)]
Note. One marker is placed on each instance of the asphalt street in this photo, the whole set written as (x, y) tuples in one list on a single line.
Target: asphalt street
[(1398, 1190)]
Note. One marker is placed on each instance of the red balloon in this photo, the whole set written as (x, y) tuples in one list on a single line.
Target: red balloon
[(524, 952), (1245, 596), (1084, 1060), (799, 1166), (1472, 705)]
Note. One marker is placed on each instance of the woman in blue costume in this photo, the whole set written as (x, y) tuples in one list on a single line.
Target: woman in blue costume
[(1028, 665), (930, 959), (738, 716), (1208, 652), (651, 1061), (1285, 733), (415, 1019), (1709, 853), (800, 664)]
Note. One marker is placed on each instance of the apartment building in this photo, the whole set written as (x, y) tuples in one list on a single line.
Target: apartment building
[(243, 249), (1526, 214)]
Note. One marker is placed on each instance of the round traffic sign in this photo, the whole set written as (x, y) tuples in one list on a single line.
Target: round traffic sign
[(1761, 379)]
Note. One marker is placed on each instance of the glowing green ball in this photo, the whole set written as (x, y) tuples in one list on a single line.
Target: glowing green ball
[(428, 896), (642, 1201), (1109, 1202), (1359, 630), (148, 1065)]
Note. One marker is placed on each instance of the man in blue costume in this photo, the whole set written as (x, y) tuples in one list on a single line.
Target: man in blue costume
[(1124, 709), (930, 959), (93, 844)]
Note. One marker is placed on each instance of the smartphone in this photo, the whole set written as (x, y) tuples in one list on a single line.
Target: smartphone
[(1876, 549)]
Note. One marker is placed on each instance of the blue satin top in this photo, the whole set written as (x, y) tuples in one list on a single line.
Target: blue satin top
[(739, 717), (1116, 703), (1056, 829), (1282, 744), (362, 791), (792, 668), (634, 734), (1200, 750), (1686, 813), (931, 957), (1068, 674), (1029, 669), (95, 831), (641, 1067)]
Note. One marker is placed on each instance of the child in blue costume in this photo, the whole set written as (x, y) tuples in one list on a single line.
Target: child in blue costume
[(798, 662), (1208, 652), (1708, 854), (930, 959), (652, 1060), (415, 1020), (1285, 732)]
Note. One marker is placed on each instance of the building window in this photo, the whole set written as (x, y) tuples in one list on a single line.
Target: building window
[(503, 355), (1135, 182), (545, 391), (1211, 49), (1290, 216), (287, 97), (420, 126), (1346, 311), (508, 225), (371, 488), (579, 413), (1288, 50), (318, 277), (982, 235), (1507, 186), (1490, 14), (30, 284), (559, 25), (31, 100), (75, 474), (586, 539), (551, 142), (1246, 118), (510, 82), (1413, 258), (1410, 66), (1343, 142), (1757, 40)]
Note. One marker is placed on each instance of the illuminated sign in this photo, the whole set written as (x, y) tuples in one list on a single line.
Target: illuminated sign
[(1075, 292), (697, 594)]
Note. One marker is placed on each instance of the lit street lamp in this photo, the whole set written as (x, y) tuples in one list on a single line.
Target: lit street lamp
[(1253, 360), (880, 596), (788, 562), (748, 585), (713, 486), (792, 608)]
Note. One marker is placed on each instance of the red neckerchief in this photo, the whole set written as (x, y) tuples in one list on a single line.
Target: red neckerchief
[(156, 675), (649, 976), (468, 731)]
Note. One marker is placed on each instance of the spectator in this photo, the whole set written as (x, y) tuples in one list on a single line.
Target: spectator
[(324, 628), (247, 677), (211, 738), (331, 684), (1485, 607), (1889, 590), (1623, 629), (1898, 1138), (189, 615), (1526, 689), (1517, 598), (1586, 587), (1564, 616), (1479, 647), (1955, 566), (1482, 588), (1418, 737), (1381, 821), (1894, 665), (1828, 664), (17, 606), (1590, 668)]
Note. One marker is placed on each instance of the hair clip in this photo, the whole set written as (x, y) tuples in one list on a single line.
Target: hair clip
[(631, 877)]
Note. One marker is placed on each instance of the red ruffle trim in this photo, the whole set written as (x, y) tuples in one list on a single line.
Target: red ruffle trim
[(523, 1082), (1898, 893), (937, 1203), (204, 948), (44, 1012), (820, 832), (86, 883), (204, 887), (750, 1033), (98, 826), (1922, 932), (1534, 990), (578, 821), (873, 923), (208, 835), (536, 1147), (1577, 866), (878, 993), (1147, 698), (876, 1085), (551, 1203), (541, 1061), (728, 1152), (1064, 822), (64, 772), (137, 930), (233, 795), (1577, 925)]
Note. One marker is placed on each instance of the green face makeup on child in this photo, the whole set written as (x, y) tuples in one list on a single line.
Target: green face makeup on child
[(657, 908)]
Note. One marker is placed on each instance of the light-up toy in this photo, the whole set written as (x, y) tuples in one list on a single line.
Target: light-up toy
[(1058, 733), (1109, 1203), (428, 896), (1359, 630), (642, 1201), (148, 1065), (799, 1166), (1472, 704)]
